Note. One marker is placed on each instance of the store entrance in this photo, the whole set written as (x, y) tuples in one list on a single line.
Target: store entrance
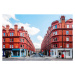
[(16, 53)]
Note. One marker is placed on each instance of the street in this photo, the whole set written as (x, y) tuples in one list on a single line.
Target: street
[(35, 57)]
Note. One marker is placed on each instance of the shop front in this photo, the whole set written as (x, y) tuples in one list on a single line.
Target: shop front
[(6, 51), (67, 52), (18, 53)]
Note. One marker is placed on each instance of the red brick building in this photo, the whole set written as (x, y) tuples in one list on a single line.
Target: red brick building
[(59, 39), (16, 41)]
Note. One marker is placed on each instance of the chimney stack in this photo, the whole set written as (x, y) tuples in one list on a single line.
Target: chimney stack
[(63, 21), (7, 28), (22, 27), (15, 28)]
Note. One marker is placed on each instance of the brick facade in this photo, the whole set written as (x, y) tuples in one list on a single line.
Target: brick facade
[(14, 39), (59, 37)]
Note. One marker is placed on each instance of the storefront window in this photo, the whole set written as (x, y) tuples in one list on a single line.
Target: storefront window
[(52, 53), (16, 53)]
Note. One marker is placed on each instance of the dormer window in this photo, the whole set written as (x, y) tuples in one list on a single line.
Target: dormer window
[(20, 34), (67, 26), (23, 34), (10, 34), (55, 26)]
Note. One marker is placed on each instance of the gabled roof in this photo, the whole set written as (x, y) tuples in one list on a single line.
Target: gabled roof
[(55, 22), (69, 21)]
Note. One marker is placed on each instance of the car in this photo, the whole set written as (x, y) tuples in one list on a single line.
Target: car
[(41, 55)]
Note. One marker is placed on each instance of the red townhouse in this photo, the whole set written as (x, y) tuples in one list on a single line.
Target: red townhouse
[(59, 39), (16, 41)]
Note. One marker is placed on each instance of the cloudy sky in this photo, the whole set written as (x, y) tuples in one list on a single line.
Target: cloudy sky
[(36, 25)]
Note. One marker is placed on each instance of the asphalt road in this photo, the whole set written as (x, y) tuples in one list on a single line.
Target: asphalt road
[(34, 57)]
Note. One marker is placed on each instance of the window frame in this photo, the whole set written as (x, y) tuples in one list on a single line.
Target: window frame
[(4, 40), (3, 34), (55, 26), (3, 46), (67, 46), (23, 40), (10, 39), (67, 38), (55, 32), (10, 34), (67, 32), (20, 34), (67, 25), (23, 34), (10, 46)]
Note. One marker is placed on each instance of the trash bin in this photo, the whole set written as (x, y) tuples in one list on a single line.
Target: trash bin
[(62, 56)]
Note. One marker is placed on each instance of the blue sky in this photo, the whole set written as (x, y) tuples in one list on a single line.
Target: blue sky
[(39, 21)]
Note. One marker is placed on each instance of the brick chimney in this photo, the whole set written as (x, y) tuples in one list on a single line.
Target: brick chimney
[(63, 21), (15, 28), (7, 28)]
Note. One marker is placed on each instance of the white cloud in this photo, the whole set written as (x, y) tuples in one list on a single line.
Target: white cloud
[(6, 21), (31, 30), (8, 16), (37, 45), (39, 38)]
